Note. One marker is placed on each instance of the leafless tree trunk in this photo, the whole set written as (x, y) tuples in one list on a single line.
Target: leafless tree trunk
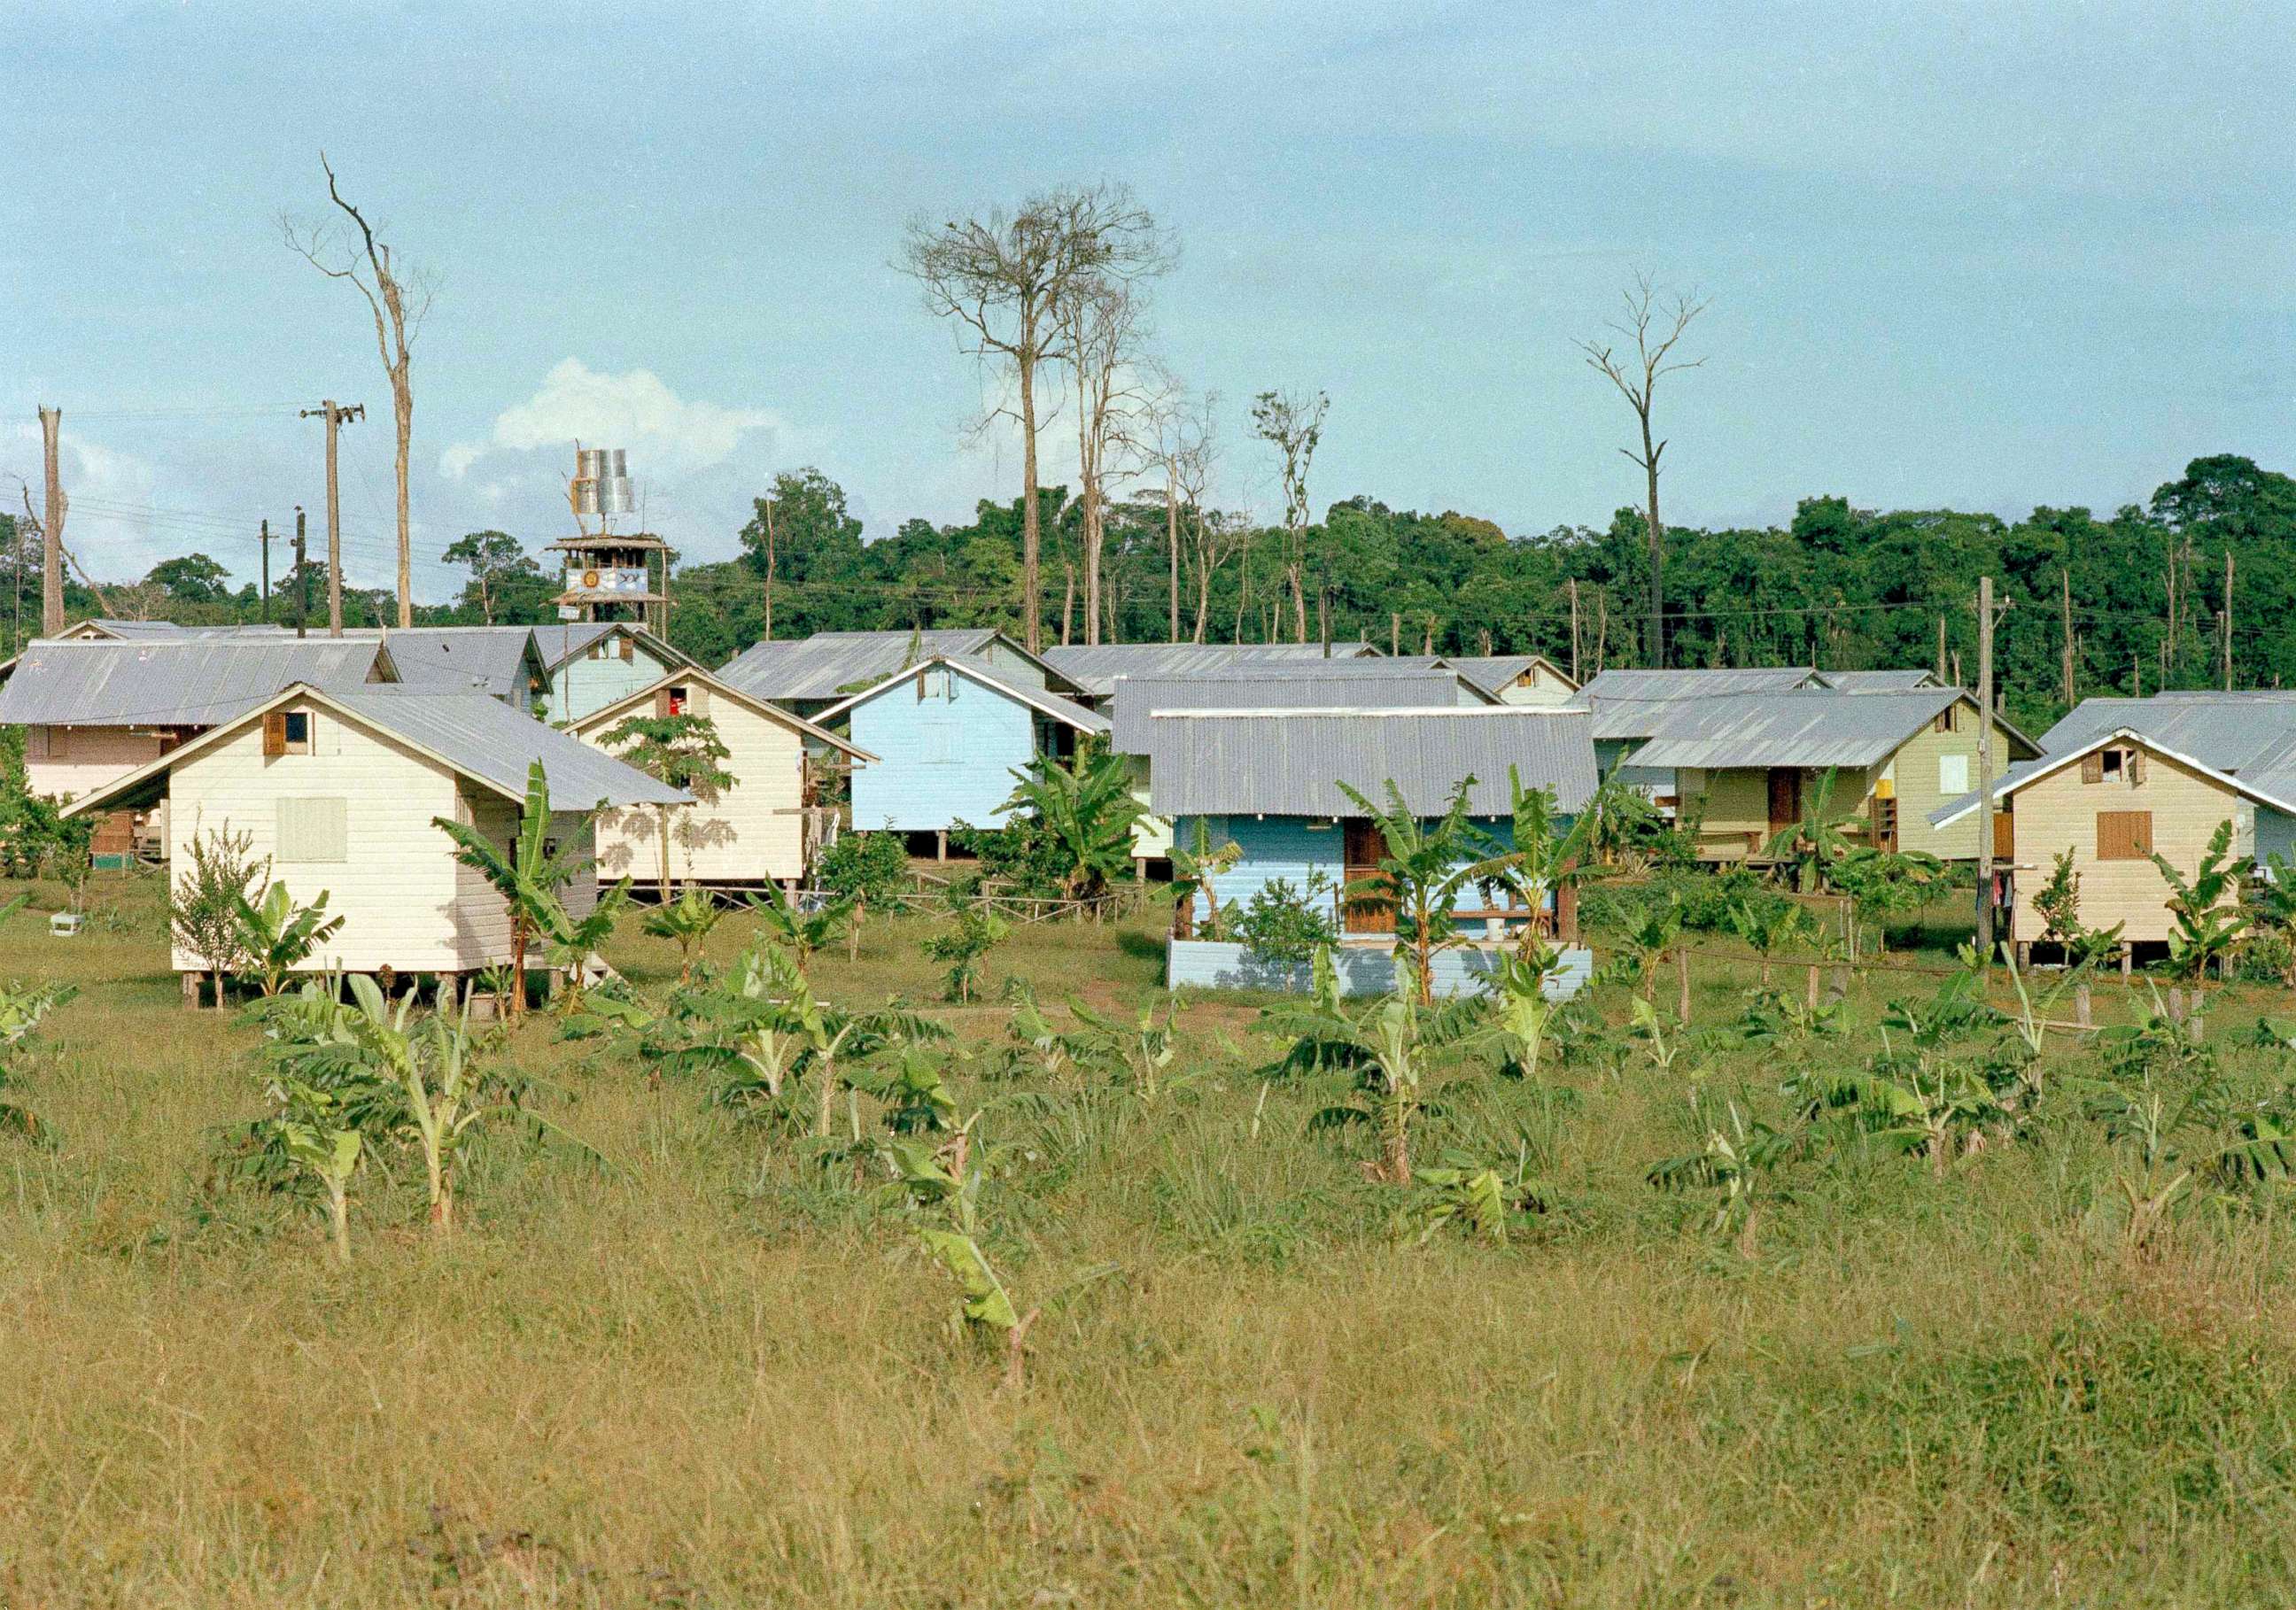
[(1104, 331), (399, 301), (1293, 425), (1004, 279), (1653, 322), (1178, 446)]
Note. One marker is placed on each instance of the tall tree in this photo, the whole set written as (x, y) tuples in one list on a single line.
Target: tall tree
[(1293, 424), (1654, 322), (1103, 330), (1179, 449), (1002, 279), (399, 298), (194, 578), (494, 559), (801, 533)]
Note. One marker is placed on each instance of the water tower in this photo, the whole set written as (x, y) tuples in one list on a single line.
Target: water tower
[(610, 575)]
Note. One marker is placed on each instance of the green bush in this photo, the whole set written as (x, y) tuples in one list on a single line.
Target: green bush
[(873, 867), (1703, 898), (1285, 925)]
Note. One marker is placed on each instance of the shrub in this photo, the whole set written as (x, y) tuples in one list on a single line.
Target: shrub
[(872, 866), (1284, 924)]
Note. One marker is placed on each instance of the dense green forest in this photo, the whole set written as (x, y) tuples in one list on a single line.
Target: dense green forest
[(1840, 587)]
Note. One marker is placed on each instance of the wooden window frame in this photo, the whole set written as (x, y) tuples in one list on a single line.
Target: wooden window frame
[(2129, 838)]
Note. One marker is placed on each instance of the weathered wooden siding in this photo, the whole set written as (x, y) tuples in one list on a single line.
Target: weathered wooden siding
[(479, 917), (2059, 813), (943, 759), (68, 761), (1362, 969), (1917, 772), (583, 685), (751, 832)]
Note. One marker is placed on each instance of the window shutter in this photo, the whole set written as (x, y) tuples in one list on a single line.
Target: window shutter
[(2136, 768), (313, 829), (2093, 766), (2124, 835), (662, 704), (274, 734), (629, 650)]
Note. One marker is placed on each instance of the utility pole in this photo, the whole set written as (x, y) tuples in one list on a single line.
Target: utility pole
[(266, 572), (335, 414), (2227, 621), (1324, 617), (1395, 632), (1940, 668), (1574, 629), (2065, 577), (302, 577), (52, 528), (769, 578), (1984, 768)]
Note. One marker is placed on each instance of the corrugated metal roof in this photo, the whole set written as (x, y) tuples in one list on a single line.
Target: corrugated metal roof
[(1291, 763), (1804, 727), (830, 664), (1880, 681), (1632, 704), (1496, 671), (477, 733), (492, 657), (2251, 735), (1056, 706), (1095, 666), (1322, 684), (195, 681)]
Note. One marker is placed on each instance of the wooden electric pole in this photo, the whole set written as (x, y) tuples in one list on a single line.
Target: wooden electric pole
[(2227, 621), (1574, 629), (302, 578), (52, 528), (1985, 769), (335, 414), (2065, 579), (266, 539)]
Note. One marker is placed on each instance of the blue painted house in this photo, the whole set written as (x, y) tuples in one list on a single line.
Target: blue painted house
[(1268, 781), (948, 734)]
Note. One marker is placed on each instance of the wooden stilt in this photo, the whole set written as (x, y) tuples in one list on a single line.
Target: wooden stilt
[(2127, 963), (190, 983), (941, 844)]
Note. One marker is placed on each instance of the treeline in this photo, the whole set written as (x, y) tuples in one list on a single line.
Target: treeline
[(2137, 593)]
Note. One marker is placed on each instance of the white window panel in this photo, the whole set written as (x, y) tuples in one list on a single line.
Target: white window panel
[(314, 829), (1953, 775)]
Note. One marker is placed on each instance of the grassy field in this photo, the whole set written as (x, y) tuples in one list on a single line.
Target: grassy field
[(712, 1374)]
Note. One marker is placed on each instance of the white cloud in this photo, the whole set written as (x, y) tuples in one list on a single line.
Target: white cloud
[(109, 520), (666, 435)]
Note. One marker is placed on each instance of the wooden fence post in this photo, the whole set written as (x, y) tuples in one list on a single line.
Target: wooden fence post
[(1682, 978), (853, 931)]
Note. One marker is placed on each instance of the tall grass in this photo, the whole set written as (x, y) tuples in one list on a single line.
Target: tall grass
[(709, 1375)]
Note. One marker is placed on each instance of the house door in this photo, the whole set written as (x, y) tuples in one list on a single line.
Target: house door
[(1364, 849), (1785, 799)]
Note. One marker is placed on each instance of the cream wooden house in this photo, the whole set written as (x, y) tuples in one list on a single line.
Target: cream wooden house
[(766, 828), (337, 792), (2113, 803), (1745, 765)]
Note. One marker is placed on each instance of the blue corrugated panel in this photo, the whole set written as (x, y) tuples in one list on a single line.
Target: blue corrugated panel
[(1362, 970)]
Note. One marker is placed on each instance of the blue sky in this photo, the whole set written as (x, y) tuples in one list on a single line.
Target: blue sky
[(1983, 255)]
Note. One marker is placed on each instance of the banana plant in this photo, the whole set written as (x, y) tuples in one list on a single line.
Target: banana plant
[(741, 1028), (314, 1135), (1767, 926), (1057, 1055), (20, 1012), (976, 931), (1389, 1045), (572, 946), (801, 933), (946, 1179), (1143, 1049), (1740, 1161), (688, 921), (276, 936), (1523, 1017), (1648, 938), (1465, 1191), (1194, 870), (528, 876), (826, 1033), (2208, 928), (434, 1062), (1665, 1047), (915, 1093)]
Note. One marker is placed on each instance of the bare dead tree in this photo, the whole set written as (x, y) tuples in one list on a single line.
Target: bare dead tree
[(1216, 538), (399, 298), (1002, 279), (1654, 321), (1177, 446), (1104, 333), (1293, 424)]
